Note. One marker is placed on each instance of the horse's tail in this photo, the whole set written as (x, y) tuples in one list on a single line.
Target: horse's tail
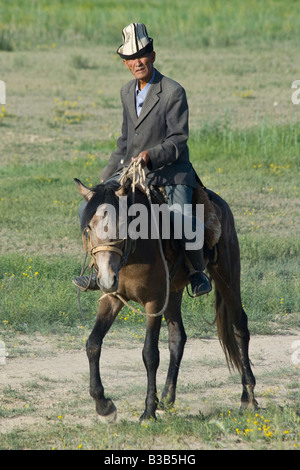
[(226, 333)]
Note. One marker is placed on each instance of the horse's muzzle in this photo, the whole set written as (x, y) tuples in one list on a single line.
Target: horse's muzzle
[(108, 284)]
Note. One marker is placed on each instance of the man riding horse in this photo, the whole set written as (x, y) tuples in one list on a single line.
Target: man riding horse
[(155, 133)]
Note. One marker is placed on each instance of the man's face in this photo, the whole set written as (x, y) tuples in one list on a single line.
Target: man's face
[(142, 67)]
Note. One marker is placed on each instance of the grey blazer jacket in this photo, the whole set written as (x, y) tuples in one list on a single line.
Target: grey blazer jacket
[(161, 128)]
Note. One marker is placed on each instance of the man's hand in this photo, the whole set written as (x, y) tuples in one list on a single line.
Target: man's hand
[(143, 157)]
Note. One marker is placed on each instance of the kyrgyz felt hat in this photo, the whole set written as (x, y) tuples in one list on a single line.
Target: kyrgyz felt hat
[(136, 42)]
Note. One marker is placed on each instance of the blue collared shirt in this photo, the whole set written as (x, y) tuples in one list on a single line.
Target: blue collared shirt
[(140, 95)]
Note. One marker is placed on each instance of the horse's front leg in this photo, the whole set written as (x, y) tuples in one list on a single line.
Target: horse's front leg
[(177, 340), (108, 309), (151, 361)]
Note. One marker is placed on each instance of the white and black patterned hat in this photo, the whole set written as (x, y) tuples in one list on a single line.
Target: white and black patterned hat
[(136, 42)]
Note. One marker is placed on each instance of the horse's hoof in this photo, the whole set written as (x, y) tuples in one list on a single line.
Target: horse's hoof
[(109, 418), (249, 405), (147, 417)]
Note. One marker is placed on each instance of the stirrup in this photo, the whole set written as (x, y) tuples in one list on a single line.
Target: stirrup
[(200, 284), (85, 283)]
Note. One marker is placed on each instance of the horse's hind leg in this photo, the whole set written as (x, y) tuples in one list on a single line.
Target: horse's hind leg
[(234, 337), (242, 337), (177, 339), (108, 310), (231, 318)]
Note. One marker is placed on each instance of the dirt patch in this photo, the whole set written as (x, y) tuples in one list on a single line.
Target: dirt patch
[(43, 380)]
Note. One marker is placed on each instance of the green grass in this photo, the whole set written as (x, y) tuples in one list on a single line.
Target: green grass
[(37, 293), (275, 428), (208, 23), (261, 191)]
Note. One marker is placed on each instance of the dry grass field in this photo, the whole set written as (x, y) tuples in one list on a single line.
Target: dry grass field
[(46, 404)]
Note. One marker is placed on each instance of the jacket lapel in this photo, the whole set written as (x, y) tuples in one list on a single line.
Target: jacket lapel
[(151, 99), (131, 102)]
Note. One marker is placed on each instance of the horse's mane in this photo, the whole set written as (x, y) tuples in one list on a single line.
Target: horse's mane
[(103, 193)]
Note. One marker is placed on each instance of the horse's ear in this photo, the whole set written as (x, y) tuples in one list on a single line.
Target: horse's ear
[(124, 188), (87, 193)]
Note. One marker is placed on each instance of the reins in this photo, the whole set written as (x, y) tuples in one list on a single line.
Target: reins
[(122, 247), (136, 173)]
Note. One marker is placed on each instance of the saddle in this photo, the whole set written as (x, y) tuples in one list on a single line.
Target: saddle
[(212, 223)]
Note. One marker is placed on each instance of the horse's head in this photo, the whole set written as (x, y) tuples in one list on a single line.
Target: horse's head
[(101, 233)]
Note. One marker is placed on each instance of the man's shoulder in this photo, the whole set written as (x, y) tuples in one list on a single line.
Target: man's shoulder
[(129, 86), (169, 85)]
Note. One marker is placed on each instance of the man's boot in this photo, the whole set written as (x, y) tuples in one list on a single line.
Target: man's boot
[(200, 284), (82, 282)]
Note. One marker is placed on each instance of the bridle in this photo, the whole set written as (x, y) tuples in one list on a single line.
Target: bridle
[(121, 247), (116, 246)]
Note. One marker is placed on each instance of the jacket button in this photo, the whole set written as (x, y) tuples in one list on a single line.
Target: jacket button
[(136, 133)]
